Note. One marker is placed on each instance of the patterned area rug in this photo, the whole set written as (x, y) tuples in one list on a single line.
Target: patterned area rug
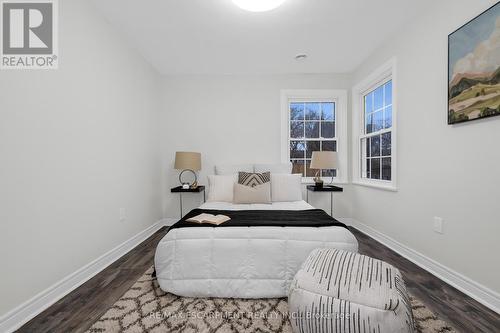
[(146, 308)]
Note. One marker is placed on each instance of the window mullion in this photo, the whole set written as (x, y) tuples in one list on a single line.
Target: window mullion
[(386, 130)]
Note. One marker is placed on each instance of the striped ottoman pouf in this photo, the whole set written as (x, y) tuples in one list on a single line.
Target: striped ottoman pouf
[(337, 291)]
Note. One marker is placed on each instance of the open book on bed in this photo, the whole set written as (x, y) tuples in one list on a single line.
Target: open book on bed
[(209, 218)]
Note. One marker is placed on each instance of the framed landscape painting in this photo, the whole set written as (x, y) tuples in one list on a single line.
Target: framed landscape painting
[(474, 68)]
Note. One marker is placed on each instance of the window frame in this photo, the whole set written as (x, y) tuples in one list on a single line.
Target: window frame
[(339, 97), (377, 78)]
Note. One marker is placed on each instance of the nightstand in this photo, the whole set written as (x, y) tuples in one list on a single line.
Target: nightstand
[(325, 188), (181, 190)]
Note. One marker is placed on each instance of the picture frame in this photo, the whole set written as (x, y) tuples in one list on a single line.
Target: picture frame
[(474, 68)]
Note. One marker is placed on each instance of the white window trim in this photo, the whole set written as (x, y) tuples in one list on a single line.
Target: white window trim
[(340, 98), (381, 74)]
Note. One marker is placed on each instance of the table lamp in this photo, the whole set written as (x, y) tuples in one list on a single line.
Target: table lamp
[(322, 160), (188, 162)]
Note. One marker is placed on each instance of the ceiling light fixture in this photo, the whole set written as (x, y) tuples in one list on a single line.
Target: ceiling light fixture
[(258, 5), (301, 57)]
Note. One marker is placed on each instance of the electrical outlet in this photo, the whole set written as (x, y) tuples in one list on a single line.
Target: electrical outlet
[(122, 215), (438, 224)]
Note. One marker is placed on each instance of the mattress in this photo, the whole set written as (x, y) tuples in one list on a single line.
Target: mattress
[(241, 262)]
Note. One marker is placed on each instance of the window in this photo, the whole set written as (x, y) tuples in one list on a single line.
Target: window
[(374, 129), (314, 120), (312, 128), (376, 138)]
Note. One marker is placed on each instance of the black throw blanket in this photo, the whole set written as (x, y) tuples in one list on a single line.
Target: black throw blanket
[(264, 218)]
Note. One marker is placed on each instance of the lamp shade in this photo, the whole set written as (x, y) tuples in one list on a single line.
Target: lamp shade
[(324, 160), (187, 160)]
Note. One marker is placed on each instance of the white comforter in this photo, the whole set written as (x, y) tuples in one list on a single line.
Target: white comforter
[(241, 262)]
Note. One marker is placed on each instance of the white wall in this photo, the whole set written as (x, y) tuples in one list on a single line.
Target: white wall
[(446, 171), (76, 145), (232, 119)]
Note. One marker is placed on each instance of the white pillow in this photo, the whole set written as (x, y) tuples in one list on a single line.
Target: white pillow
[(258, 194), (274, 168), (286, 187), (220, 187), (229, 169)]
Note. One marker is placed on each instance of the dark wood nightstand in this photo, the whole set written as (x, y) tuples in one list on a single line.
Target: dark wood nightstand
[(324, 188), (180, 190)]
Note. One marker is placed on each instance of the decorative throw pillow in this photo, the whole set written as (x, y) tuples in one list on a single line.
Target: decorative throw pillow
[(253, 179), (258, 194), (286, 187), (220, 188)]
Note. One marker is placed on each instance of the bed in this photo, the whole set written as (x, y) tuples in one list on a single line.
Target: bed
[(256, 258)]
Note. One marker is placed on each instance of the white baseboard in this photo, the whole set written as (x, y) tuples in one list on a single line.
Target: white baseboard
[(31, 308), (477, 291)]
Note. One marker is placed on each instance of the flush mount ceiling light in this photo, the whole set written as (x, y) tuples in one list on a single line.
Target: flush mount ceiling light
[(301, 57), (258, 5)]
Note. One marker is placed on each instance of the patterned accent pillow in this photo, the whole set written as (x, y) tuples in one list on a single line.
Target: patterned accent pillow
[(259, 194), (253, 179)]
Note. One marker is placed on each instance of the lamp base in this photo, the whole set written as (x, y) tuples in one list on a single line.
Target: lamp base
[(193, 185), (318, 182)]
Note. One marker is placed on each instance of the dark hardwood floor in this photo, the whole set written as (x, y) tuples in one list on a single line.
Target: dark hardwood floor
[(77, 311), (80, 309), (453, 306)]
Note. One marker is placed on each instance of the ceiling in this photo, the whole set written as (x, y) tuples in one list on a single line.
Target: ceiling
[(216, 37)]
